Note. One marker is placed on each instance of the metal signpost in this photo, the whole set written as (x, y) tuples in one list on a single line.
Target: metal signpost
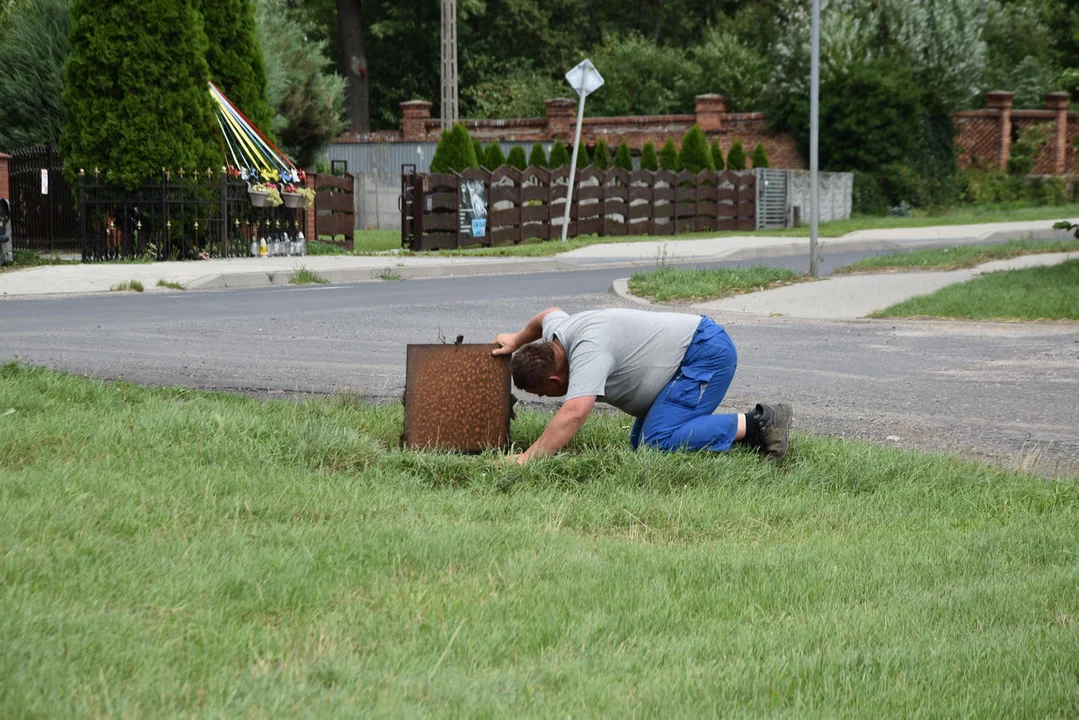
[(585, 79), (814, 113)]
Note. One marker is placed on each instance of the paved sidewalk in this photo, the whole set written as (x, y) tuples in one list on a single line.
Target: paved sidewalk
[(853, 296), (262, 272)]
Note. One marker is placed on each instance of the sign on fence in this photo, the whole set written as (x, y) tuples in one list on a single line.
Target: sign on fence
[(473, 210)]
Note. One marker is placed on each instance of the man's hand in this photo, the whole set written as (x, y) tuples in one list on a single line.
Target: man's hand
[(507, 343)]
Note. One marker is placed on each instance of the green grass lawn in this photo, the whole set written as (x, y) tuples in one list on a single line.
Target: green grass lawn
[(671, 283), (960, 256), (1042, 293), (368, 241), (164, 552)]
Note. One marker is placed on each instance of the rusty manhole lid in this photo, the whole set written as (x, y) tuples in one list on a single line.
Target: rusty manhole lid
[(457, 397)]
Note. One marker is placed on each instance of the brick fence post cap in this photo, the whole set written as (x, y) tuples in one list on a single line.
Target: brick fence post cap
[(1058, 100), (416, 107), (559, 103), (999, 99), (4, 156)]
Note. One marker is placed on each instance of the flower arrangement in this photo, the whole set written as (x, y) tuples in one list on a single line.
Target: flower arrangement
[(308, 194), (272, 196)]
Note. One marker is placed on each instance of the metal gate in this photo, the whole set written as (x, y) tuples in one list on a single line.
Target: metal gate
[(771, 198), (44, 209)]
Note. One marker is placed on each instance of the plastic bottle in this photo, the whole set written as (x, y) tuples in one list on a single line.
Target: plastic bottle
[(262, 248)]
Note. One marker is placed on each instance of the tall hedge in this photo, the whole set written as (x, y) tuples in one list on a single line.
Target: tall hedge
[(668, 156), (717, 155), (583, 160), (517, 158), (622, 157), (559, 156), (33, 47), (736, 158), (477, 146), (601, 156), (493, 157), (235, 57), (537, 158), (135, 96), (759, 158), (649, 161), (695, 155), (454, 151)]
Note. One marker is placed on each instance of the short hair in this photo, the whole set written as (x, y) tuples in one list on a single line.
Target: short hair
[(532, 365)]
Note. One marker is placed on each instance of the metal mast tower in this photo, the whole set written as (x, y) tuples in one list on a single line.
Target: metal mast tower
[(449, 63)]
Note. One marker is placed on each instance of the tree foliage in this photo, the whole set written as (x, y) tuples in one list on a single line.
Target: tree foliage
[(668, 156), (717, 155), (759, 158), (559, 156), (622, 157), (601, 155), (235, 58), (33, 46), (649, 161), (454, 151), (736, 158), (537, 157), (493, 157), (135, 97), (695, 155), (517, 158), (306, 96)]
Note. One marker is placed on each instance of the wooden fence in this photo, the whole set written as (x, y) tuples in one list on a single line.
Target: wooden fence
[(334, 207), (523, 205)]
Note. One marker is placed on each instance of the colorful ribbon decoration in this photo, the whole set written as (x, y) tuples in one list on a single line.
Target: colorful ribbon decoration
[(253, 157)]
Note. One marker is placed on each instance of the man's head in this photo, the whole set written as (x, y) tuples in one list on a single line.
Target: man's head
[(540, 368)]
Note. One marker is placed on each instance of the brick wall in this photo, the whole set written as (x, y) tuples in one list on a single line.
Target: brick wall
[(710, 113), (984, 137), (5, 189)]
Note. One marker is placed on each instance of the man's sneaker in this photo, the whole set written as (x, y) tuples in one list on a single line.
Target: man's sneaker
[(774, 423)]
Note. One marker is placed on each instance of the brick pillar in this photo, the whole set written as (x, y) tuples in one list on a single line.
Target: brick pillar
[(415, 113), (309, 214), (561, 118), (5, 189), (1058, 102), (709, 110), (1002, 102)]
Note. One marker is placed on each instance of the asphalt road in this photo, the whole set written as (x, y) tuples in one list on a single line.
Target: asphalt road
[(1005, 392)]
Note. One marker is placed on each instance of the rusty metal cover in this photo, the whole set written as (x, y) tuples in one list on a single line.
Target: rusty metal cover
[(457, 397)]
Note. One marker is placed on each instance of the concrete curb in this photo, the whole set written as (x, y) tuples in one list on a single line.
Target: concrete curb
[(620, 288)]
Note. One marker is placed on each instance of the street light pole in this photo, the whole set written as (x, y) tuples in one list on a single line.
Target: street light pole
[(814, 118)]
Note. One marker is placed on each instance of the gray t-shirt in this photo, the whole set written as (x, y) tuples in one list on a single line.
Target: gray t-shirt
[(623, 357)]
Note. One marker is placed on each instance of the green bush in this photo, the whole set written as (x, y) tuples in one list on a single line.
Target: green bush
[(32, 52), (583, 160), (695, 155), (493, 157), (668, 156), (649, 161), (517, 158), (759, 158), (736, 158), (601, 156), (537, 158), (622, 157), (559, 156), (477, 146), (866, 195), (455, 151), (235, 58), (135, 96), (1024, 152), (717, 155)]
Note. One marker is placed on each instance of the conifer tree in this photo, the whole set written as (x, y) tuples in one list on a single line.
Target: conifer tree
[(493, 157), (668, 156), (601, 156), (454, 151), (736, 158), (695, 155), (622, 157), (649, 161), (559, 156), (717, 155), (583, 160), (759, 156), (132, 124), (235, 57), (537, 158), (517, 158), (477, 146)]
